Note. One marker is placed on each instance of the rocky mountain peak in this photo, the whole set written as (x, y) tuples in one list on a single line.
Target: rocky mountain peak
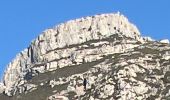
[(89, 28), (70, 33), (106, 48)]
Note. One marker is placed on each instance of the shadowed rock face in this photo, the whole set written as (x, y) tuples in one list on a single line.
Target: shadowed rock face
[(106, 49)]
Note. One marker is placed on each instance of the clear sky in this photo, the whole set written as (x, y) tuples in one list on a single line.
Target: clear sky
[(21, 21)]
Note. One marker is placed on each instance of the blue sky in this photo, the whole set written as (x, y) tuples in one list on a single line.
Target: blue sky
[(21, 21)]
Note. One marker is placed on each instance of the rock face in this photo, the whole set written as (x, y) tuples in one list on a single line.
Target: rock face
[(105, 49), (165, 41)]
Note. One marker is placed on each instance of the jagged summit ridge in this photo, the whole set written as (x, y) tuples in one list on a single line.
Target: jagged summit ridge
[(89, 28)]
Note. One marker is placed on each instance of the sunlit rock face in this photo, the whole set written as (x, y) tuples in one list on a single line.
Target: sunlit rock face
[(105, 49), (165, 41)]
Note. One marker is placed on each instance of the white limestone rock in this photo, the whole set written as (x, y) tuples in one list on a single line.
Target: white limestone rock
[(108, 89), (89, 41), (2, 88), (52, 83), (71, 89), (58, 97), (148, 39), (72, 32), (166, 41)]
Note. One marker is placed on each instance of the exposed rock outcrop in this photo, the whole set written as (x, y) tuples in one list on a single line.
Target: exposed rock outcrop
[(165, 41), (106, 49)]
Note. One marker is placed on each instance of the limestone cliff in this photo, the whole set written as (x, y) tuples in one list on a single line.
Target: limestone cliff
[(106, 48)]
